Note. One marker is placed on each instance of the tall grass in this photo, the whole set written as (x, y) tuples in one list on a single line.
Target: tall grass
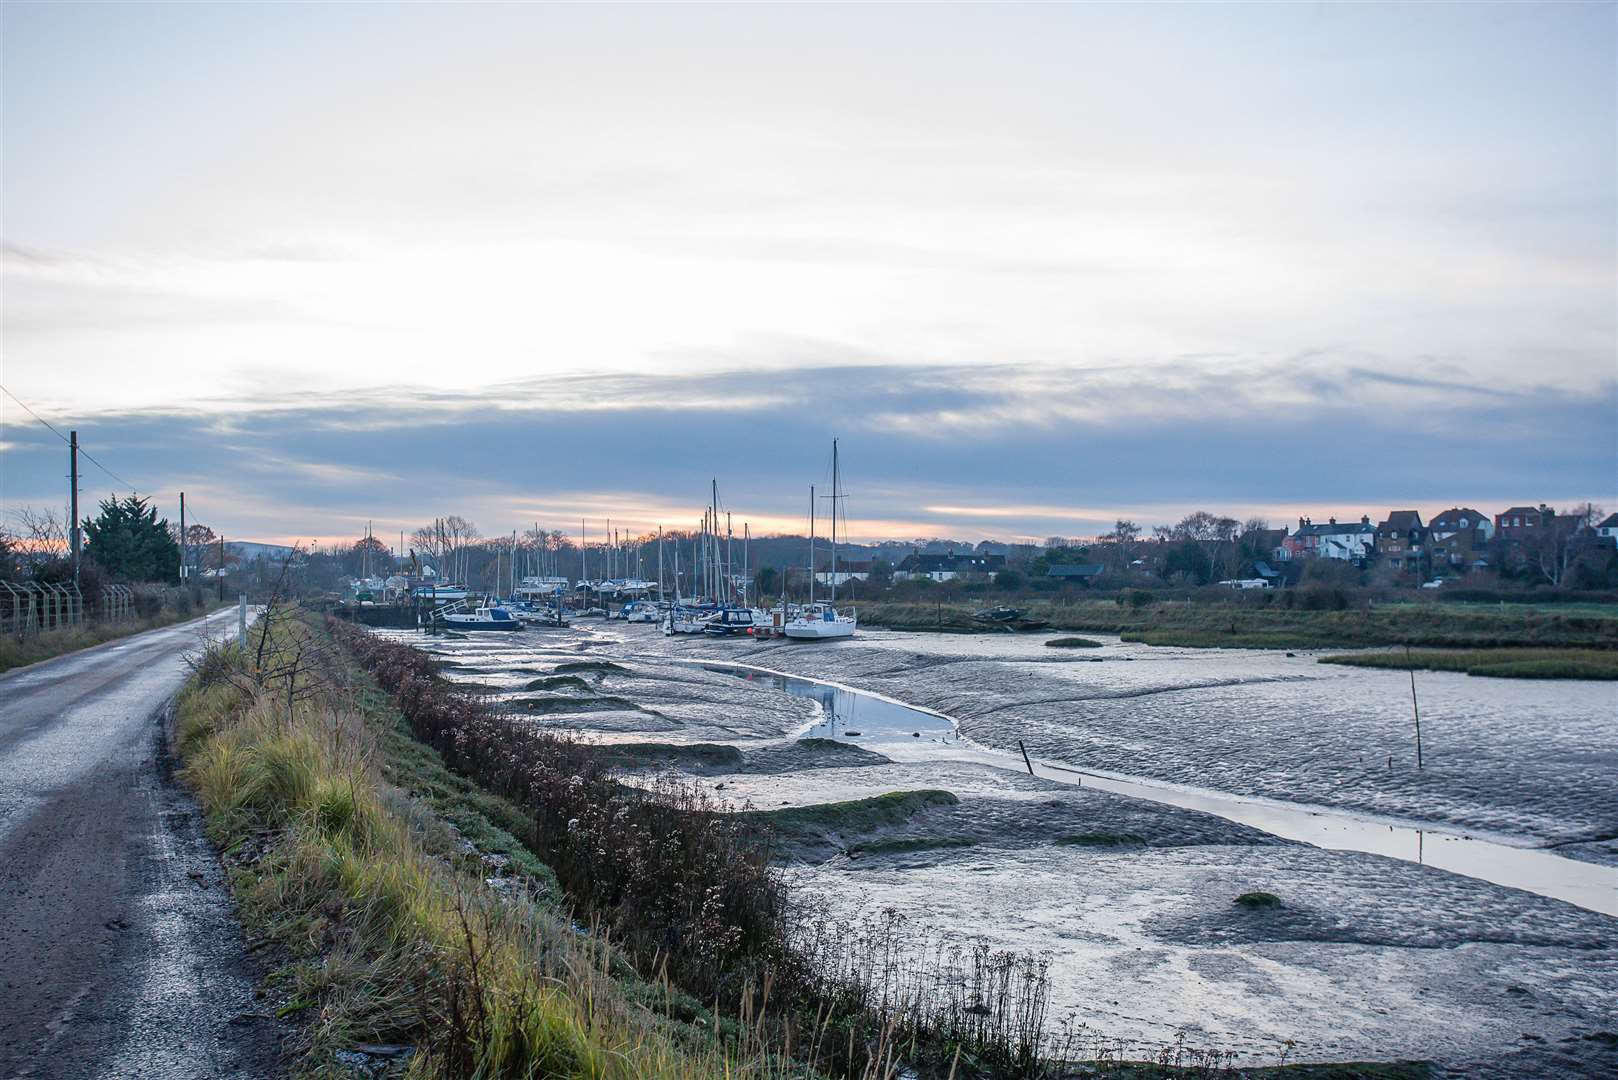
[(389, 932), (1496, 663)]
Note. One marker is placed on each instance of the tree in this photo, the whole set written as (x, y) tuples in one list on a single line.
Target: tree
[(368, 554), (127, 540), (1009, 580), (1556, 545), (1210, 533), (766, 581), (1124, 534)]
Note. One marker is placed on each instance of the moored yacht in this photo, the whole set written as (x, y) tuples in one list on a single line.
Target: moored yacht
[(819, 621)]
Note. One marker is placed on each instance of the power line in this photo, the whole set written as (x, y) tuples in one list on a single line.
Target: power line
[(65, 439)]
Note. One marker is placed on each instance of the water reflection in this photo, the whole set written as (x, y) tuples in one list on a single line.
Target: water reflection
[(907, 733)]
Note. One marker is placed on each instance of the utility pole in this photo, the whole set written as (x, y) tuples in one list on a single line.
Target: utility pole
[(184, 547), (73, 499)]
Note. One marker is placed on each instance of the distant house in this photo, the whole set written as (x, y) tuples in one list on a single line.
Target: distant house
[(1519, 522), (1401, 540), (1076, 573), (846, 572), (946, 567), (1270, 542), (1349, 541), (1460, 537), (1460, 519), (1607, 530), (1266, 572)]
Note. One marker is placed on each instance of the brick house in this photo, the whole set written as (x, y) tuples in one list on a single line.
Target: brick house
[(1401, 540), (1460, 537)]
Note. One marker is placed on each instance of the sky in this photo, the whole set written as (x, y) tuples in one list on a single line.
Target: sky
[(1036, 267)]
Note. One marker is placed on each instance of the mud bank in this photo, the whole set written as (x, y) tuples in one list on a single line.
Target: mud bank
[(1132, 901)]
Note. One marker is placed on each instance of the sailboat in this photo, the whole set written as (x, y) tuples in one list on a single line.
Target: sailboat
[(816, 621)]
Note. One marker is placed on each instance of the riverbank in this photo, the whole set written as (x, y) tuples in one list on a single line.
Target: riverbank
[(407, 928), (1131, 904), (1493, 663), (420, 922), (1271, 626)]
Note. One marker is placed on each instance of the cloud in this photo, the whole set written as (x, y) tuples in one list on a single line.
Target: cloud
[(967, 451)]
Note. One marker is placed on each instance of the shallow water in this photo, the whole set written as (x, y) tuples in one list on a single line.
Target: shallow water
[(903, 732)]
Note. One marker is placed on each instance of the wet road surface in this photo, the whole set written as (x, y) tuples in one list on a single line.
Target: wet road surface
[(120, 954)]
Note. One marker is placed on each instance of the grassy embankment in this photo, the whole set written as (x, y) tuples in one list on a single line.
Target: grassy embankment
[(1497, 663), (404, 904), (1273, 627), (17, 652), (362, 862)]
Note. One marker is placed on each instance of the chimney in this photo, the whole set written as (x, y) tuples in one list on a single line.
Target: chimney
[(1301, 522), (1332, 520)]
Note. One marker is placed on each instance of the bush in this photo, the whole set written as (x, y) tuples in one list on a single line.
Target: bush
[(665, 872)]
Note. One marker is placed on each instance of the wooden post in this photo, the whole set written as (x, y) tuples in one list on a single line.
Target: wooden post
[(1414, 708), (1025, 760)]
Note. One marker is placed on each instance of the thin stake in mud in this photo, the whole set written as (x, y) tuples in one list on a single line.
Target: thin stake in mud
[(1411, 664), (1025, 760)]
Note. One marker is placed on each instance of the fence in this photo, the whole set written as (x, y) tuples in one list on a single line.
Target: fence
[(29, 607)]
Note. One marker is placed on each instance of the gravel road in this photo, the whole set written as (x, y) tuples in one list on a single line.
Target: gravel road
[(120, 954)]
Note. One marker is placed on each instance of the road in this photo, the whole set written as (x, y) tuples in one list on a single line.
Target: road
[(120, 954)]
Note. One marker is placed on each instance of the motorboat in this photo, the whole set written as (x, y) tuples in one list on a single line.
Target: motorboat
[(816, 622), (542, 588), (685, 620), (484, 618), (441, 593), (640, 611), (730, 621)]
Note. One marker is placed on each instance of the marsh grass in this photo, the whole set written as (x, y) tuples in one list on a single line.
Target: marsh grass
[(1495, 663), (1276, 626)]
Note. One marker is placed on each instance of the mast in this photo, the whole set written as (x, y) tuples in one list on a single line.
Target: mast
[(713, 550), (730, 557), (834, 521), (660, 564), (811, 543)]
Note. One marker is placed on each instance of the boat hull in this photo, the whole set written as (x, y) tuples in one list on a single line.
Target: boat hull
[(819, 629), (481, 625)]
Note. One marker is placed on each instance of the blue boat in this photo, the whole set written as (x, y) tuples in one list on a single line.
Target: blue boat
[(484, 618)]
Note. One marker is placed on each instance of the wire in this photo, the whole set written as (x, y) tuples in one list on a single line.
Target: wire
[(65, 439)]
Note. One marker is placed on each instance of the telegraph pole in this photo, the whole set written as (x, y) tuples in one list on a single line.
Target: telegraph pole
[(73, 499), (184, 546)]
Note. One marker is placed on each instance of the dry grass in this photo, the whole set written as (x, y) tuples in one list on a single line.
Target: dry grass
[(389, 930), (31, 649)]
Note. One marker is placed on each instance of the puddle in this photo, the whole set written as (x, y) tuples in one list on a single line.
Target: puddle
[(904, 732)]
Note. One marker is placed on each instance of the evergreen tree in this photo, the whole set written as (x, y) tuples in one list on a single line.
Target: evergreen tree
[(129, 542)]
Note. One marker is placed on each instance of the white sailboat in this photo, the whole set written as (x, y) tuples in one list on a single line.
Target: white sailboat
[(817, 621)]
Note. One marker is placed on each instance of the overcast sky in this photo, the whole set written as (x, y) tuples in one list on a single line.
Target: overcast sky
[(1036, 266)]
